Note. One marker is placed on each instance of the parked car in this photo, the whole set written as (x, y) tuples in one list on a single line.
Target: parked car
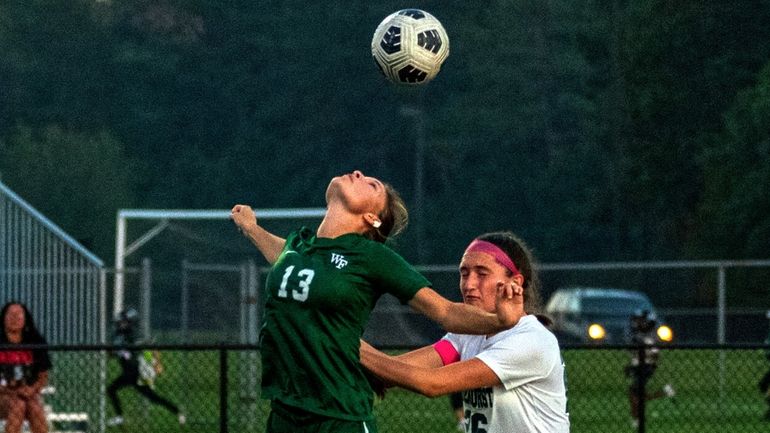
[(601, 315)]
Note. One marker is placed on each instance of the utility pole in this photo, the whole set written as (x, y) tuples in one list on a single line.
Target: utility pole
[(419, 172)]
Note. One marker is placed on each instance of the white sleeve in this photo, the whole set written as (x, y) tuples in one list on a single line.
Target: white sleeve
[(519, 359), (456, 340), (460, 342)]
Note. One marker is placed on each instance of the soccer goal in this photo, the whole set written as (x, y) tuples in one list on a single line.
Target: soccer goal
[(199, 242)]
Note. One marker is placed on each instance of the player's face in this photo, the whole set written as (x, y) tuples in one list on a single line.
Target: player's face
[(14, 318), (359, 193), (479, 274)]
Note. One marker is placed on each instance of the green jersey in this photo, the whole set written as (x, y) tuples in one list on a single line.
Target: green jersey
[(320, 293)]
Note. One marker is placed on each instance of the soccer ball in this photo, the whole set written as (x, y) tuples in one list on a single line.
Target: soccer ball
[(409, 46)]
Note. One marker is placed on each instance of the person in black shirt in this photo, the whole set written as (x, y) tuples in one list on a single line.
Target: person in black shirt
[(640, 371)]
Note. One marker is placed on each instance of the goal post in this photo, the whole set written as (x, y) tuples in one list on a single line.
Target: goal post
[(163, 216)]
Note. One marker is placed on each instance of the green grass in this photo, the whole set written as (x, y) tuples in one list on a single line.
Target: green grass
[(716, 392), (403, 411)]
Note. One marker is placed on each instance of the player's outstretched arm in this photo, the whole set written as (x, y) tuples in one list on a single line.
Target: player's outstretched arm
[(431, 382), (467, 319), (425, 356), (267, 243)]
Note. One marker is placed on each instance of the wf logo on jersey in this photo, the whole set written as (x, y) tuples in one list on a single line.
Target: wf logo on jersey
[(339, 261)]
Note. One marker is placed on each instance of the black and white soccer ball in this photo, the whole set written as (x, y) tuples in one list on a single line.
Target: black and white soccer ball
[(409, 46)]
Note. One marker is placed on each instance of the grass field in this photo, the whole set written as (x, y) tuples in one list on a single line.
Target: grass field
[(716, 392)]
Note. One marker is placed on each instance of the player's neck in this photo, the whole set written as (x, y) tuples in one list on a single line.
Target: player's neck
[(338, 222)]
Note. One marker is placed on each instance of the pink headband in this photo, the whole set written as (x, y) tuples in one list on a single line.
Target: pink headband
[(494, 251)]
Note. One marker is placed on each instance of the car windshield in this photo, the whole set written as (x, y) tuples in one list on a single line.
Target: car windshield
[(614, 306)]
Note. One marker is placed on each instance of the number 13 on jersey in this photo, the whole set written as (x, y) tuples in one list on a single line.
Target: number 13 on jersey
[(301, 292)]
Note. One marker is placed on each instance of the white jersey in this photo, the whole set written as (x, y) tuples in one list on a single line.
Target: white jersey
[(532, 397)]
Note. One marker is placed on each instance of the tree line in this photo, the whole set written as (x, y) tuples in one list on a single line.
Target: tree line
[(597, 130)]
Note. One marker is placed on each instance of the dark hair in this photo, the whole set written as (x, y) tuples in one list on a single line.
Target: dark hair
[(29, 334), (394, 217), (522, 257)]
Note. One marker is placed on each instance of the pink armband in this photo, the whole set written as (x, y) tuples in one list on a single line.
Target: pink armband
[(447, 352)]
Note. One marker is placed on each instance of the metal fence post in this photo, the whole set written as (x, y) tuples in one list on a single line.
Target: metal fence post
[(146, 298), (103, 315), (144, 314), (255, 302), (721, 304), (184, 317), (222, 390), (253, 323), (721, 325)]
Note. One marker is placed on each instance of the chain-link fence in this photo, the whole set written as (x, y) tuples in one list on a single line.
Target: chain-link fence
[(216, 389), (693, 389), (208, 302)]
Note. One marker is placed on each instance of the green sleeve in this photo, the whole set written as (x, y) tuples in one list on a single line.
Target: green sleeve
[(392, 274)]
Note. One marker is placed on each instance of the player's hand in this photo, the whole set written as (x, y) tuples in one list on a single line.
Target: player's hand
[(243, 216), (509, 303)]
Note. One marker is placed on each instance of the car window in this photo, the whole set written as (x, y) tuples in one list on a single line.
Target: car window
[(554, 304), (615, 305), (573, 304)]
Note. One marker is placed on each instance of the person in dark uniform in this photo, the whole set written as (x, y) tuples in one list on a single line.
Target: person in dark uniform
[(639, 371), (133, 371)]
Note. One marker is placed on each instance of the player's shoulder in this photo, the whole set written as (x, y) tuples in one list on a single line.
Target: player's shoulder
[(462, 339), (373, 249), (529, 328), (298, 235), (530, 323)]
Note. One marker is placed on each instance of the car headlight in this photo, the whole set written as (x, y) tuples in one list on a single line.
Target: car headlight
[(665, 333), (596, 332)]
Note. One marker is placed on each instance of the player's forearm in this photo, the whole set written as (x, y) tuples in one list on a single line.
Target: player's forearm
[(455, 316), (466, 319), (267, 243), (395, 372), (426, 357)]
